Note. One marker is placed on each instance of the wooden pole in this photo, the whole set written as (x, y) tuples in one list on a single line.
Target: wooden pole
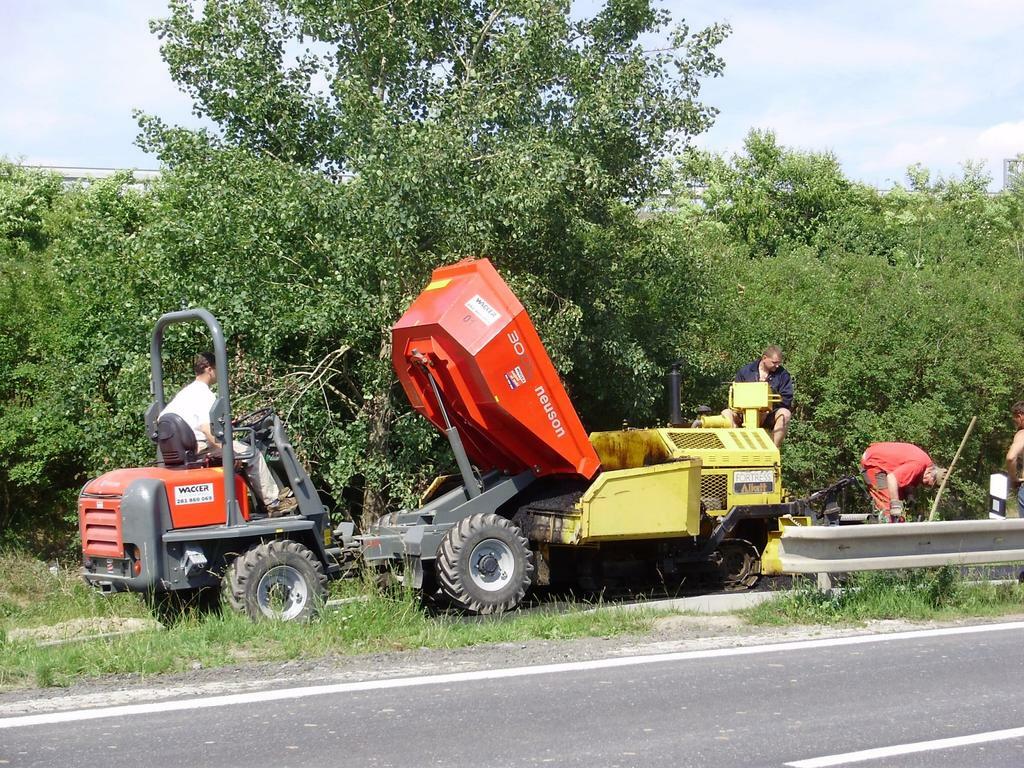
[(949, 470)]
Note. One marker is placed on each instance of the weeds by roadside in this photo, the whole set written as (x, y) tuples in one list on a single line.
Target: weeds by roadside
[(378, 621), (393, 619), (922, 594), (32, 595)]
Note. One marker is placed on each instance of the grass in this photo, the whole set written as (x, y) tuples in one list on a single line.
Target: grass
[(31, 596), (393, 621), (917, 595)]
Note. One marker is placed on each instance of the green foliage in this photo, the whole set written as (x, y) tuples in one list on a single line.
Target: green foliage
[(896, 311), (356, 147), (364, 87), (872, 595), (25, 198), (1009, 214), (71, 366), (375, 622), (769, 198), (507, 131)]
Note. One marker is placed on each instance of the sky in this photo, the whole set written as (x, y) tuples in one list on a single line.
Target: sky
[(881, 84)]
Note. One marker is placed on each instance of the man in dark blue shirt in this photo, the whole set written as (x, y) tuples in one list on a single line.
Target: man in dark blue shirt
[(769, 368)]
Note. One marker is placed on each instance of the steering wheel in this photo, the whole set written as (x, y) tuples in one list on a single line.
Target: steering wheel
[(252, 419)]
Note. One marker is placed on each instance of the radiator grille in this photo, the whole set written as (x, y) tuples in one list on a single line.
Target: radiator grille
[(714, 491), (101, 528), (696, 440)]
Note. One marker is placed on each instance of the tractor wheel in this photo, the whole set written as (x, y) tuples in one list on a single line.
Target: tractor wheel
[(484, 564), (279, 580), (740, 565)]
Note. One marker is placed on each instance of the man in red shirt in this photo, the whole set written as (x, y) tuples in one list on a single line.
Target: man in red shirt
[(1014, 455), (892, 470)]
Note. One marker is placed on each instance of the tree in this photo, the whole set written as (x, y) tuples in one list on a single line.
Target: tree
[(509, 130), (67, 301), (896, 311), (771, 197), (942, 219), (1010, 219)]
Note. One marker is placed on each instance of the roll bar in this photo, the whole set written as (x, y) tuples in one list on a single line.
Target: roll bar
[(220, 414)]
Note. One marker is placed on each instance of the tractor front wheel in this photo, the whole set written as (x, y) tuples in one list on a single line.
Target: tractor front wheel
[(484, 564), (739, 564), (280, 580)]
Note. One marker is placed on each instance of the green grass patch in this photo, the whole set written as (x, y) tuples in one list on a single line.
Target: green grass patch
[(922, 594), (31, 595), (378, 621)]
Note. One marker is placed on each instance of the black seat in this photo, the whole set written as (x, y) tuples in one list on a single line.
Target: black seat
[(177, 442)]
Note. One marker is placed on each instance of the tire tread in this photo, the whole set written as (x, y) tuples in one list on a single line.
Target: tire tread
[(450, 568), (249, 565)]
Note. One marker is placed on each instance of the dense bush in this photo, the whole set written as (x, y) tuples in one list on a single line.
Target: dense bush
[(897, 311), (311, 216)]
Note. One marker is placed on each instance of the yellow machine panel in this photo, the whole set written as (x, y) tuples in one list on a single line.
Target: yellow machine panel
[(771, 564), (739, 465), (723, 447), (652, 502), (630, 448)]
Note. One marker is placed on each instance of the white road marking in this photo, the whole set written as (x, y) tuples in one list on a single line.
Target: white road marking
[(907, 749), (256, 697)]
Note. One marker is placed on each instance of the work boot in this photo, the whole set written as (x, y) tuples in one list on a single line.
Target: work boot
[(280, 508)]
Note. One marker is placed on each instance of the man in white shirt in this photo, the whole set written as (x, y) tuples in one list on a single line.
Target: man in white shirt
[(193, 404)]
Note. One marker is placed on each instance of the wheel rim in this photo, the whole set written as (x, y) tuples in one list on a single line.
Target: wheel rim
[(282, 593), (491, 565)]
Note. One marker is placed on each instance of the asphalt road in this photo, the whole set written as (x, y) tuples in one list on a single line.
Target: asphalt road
[(797, 704)]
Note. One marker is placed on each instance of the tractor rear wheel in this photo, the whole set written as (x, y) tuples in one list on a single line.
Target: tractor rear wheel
[(280, 580), (484, 564)]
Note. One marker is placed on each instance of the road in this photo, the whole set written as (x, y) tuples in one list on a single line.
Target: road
[(917, 698)]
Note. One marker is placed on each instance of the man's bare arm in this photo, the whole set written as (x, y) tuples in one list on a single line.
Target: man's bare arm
[(1013, 456), (210, 440), (894, 487)]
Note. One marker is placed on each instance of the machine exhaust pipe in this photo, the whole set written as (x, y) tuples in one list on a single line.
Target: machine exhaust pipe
[(675, 382)]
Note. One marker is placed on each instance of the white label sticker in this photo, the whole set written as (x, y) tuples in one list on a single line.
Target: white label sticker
[(200, 493), (487, 314), (753, 481)]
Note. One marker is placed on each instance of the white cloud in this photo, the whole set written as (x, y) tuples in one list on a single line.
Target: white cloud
[(1005, 140), (974, 20), (795, 44), (941, 148), (882, 85), (929, 150), (30, 119)]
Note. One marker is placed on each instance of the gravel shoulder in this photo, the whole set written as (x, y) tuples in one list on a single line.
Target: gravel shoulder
[(669, 634)]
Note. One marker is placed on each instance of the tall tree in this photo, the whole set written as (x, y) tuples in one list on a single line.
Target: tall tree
[(507, 129), (772, 197)]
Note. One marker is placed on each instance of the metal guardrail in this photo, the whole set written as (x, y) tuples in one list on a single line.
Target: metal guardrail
[(839, 549)]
